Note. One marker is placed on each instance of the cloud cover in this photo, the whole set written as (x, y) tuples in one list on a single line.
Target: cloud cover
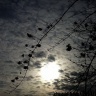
[(17, 18)]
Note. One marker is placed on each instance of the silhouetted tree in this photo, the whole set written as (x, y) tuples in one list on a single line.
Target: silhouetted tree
[(87, 55)]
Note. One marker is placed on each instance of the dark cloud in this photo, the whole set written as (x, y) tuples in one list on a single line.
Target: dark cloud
[(47, 84), (50, 93), (37, 64), (18, 92), (68, 87), (28, 78), (80, 76), (3, 84), (36, 82), (7, 10), (51, 58), (40, 54), (63, 85), (38, 87), (74, 73), (32, 93), (29, 95), (9, 61), (67, 75), (70, 81), (61, 71), (20, 67), (14, 72), (77, 75)]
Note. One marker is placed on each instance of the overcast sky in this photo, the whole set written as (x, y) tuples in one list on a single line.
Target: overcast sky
[(19, 17)]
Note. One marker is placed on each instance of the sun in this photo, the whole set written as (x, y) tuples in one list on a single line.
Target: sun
[(50, 72)]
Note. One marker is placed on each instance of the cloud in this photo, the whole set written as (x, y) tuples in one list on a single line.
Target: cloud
[(61, 71), (70, 81), (28, 78), (63, 85), (29, 95), (3, 84), (38, 87), (9, 61), (50, 93), (18, 92), (7, 11), (51, 58), (19, 17), (75, 73), (36, 64), (40, 54), (68, 87)]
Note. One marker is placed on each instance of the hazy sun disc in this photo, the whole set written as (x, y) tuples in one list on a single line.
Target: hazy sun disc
[(50, 71)]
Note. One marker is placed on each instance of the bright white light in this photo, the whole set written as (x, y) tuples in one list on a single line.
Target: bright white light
[(50, 71)]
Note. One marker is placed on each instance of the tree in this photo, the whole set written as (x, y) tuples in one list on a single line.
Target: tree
[(86, 56)]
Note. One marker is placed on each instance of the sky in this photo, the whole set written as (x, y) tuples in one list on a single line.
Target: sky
[(18, 18)]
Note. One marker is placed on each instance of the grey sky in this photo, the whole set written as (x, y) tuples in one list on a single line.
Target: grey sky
[(19, 17)]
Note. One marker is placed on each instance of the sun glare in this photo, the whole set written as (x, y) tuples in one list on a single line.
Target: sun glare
[(50, 72)]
